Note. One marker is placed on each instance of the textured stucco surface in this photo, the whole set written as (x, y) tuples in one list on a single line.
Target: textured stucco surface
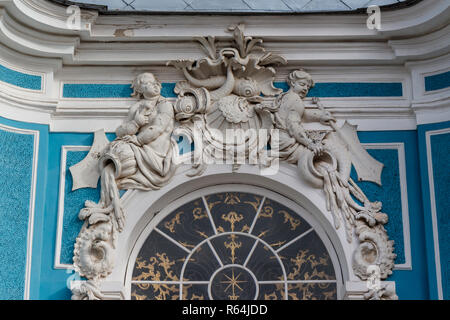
[(16, 165)]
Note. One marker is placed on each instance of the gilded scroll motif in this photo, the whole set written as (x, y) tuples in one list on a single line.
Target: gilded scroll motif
[(234, 265)]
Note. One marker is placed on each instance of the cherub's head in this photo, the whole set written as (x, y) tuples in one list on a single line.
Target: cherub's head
[(146, 85), (300, 82)]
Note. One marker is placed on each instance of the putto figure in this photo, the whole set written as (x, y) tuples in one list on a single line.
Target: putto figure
[(324, 159), (145, 138), (291, 115), (141, 157)]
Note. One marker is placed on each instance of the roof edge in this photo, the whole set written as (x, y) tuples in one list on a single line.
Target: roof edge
[(104, 10)]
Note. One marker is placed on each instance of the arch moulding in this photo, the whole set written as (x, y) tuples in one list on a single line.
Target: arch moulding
[(146, 207)]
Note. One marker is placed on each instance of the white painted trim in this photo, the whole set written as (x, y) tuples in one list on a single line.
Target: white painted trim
[(61, 196), (434, 111), (31, 210), (434, 220), (400, 147)]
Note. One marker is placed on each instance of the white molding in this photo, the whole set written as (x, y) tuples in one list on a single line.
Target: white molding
[(93, 122), (103, 52), (429, 106), (429, 45), (32, 41), (434, 220), (415, 19), (104, 32), (61, 197), (400, 147), (51, 17), (31, 210)]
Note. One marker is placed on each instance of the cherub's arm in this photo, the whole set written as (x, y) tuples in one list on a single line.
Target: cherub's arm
[(318, 115), (295, 127), (134, 121), (153, 130), (312, 115)]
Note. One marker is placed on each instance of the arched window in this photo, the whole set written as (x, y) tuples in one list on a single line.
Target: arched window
[(233, 245)]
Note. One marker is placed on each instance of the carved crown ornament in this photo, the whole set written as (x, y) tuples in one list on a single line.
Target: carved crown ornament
[(230, 109)]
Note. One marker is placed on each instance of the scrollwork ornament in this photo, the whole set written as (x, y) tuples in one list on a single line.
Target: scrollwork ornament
[(230, 89), (374, 248)]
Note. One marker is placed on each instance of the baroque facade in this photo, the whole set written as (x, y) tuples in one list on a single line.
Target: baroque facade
[(224, 156)]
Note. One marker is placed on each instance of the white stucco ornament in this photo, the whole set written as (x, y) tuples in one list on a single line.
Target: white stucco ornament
[(228, 105), (87, 171)]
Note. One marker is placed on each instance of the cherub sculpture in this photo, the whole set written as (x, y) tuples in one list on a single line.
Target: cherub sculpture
[(325, 160), (141, 157), (291, 115)]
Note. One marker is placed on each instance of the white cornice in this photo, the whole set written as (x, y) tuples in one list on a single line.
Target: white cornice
[(344, 35), (47, 17), (419, 19), (432, 44), (334, 48)]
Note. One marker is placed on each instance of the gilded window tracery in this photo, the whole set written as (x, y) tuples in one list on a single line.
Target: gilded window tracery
[(233, 246)]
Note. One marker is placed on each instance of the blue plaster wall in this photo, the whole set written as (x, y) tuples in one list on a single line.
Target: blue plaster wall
[(350, 89), (73, 203), (323, 89), (389, 194), (440, 156), (437, 81), (49, 283), (94, 90), (20, 79), (15, 242), (440, 147), (81, 90), (410, 284), (16, 168), (54, 282)]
